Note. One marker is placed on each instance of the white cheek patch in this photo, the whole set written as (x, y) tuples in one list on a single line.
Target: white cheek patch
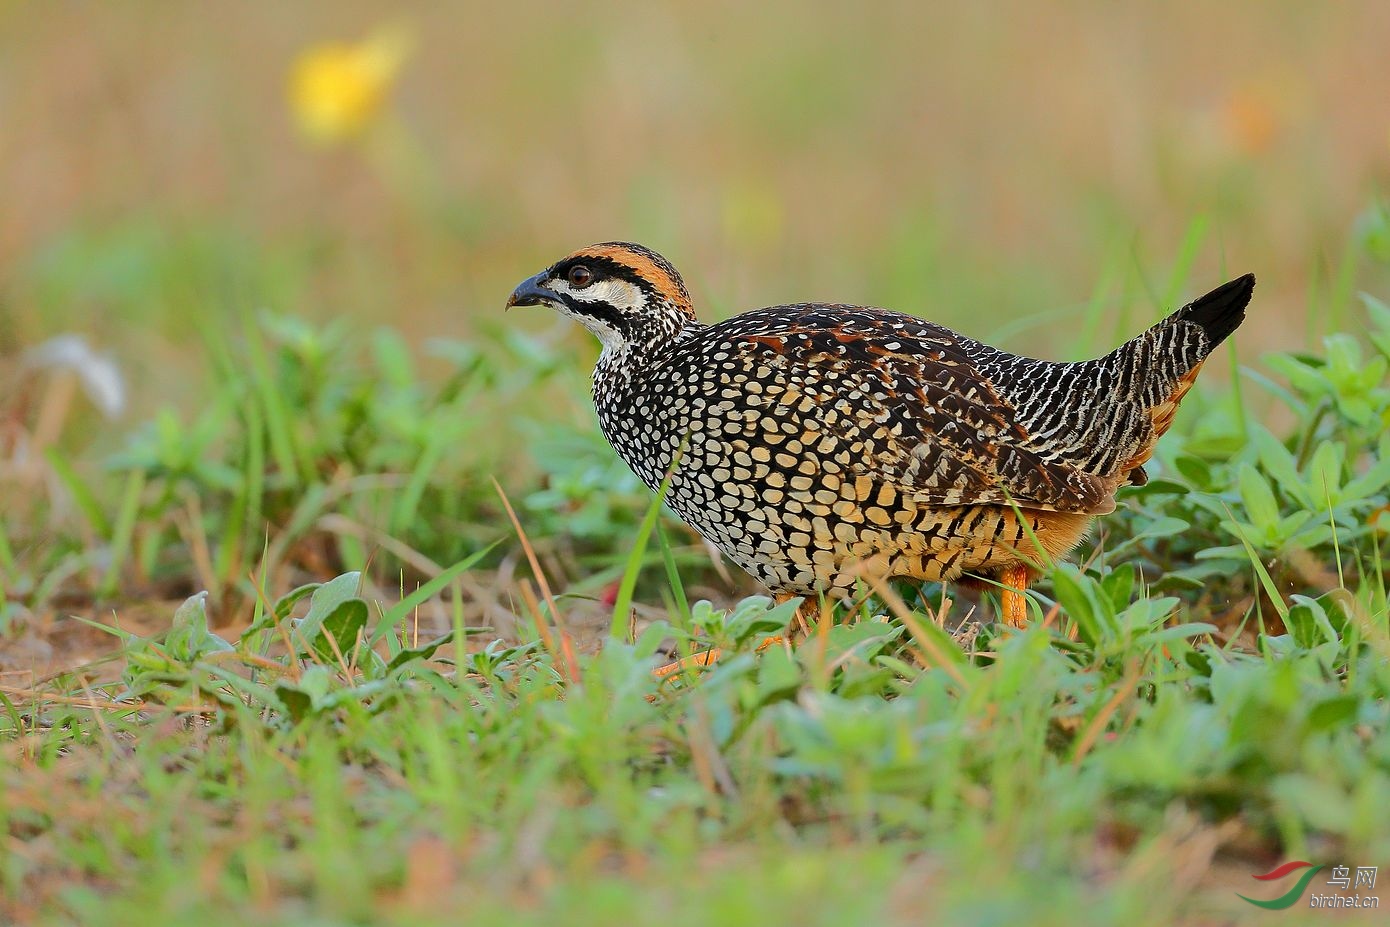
[(621, 295)]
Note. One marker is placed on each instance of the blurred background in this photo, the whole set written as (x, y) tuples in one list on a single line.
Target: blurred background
[(1049, 178), (979, 164)]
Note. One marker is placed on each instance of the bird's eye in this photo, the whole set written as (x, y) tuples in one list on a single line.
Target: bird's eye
[(580, 276)]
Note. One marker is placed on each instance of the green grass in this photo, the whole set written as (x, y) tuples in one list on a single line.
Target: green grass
[(1048, 780), (1207, 694)]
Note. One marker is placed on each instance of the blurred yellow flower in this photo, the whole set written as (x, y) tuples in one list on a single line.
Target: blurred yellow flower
[(337, 89)]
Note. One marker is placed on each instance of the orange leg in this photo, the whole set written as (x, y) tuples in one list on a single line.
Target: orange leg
[(703, 658), (1015, 605)]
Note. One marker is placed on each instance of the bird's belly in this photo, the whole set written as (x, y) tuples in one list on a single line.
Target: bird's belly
[(797, 507), (807, 543)]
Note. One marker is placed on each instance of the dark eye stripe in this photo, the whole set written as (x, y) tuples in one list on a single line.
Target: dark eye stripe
[(602, 267), (606, 313)]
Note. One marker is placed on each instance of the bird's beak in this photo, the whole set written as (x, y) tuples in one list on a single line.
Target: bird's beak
[(530, 293)]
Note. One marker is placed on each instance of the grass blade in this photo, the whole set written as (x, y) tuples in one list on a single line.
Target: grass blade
[(622, 605), (123, 531), (398, 612)]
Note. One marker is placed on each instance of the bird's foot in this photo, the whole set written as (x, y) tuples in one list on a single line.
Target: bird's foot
[(711, 656), (1011, 599), (703, 658)]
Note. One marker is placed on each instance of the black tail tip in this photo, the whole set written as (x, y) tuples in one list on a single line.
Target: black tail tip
[(1222, 310)]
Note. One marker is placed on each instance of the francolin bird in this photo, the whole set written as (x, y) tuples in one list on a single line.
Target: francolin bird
[(820, 444)]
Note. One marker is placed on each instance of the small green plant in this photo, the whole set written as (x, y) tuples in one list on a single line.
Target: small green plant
[(284, 669), (333, 446)]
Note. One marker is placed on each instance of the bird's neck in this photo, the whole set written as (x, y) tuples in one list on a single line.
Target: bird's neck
[(625, 361)]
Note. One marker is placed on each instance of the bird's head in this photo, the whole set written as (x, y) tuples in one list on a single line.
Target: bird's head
[(624, 293)]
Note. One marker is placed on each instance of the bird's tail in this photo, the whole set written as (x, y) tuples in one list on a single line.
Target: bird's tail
[(1167, 357), (1160, 365), (1218, 313)]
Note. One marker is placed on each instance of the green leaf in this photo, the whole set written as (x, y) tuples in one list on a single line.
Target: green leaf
[(408, 498), (1077, 604), (1325, 475), (866, 638), (1165, 526), (422, 652), (1259, 500), (1336, 711), (1289, 525), (1119, 583), (1304, 374), (1278, 462), (1195, 470), (1376, 478), (1307, 621), (280, 611), (1261, 573), (1342, 351), (1355, 409), (1380, 321), (1147, 614), (750, 619), (298, 705), (1179, 632), (305, 696), (1187, 255), (325, 601), (189, 637), (286, 603), (344, 625), (778, 674)]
